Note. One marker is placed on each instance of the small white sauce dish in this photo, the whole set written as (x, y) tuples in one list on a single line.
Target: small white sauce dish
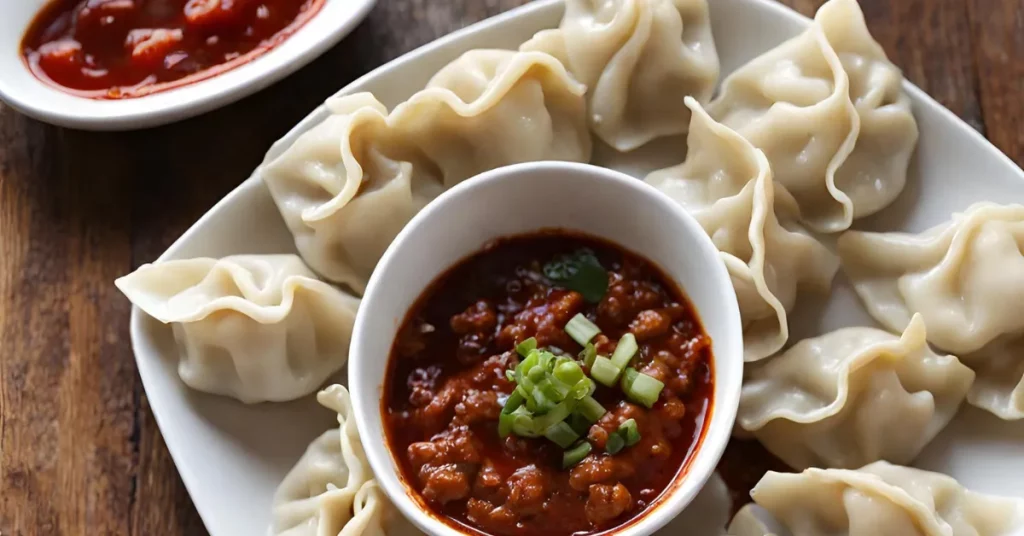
[(25, 92), (525, 198)]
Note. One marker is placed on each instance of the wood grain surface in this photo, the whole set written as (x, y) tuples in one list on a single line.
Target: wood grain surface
[(80, 452)]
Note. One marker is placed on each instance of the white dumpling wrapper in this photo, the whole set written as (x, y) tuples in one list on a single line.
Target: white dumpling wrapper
[(966, 278), (727, 185), (638, 59), (882, 499), (828, 109), (346, 187), (253, 327), (853, 396), (331, 490)]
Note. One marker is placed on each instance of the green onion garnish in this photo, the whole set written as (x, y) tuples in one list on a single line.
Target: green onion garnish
[(561, 434), (588, 354), (629, 431), (513, 402), (628, 376), (590, 409), (644, 390), (625, 351), (575, 454), (579, 423), (569, 372), (524, 348), (581, 329), (604, 371), (614, 444)]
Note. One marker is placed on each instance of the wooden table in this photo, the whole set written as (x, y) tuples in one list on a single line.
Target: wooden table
[(80, 452)]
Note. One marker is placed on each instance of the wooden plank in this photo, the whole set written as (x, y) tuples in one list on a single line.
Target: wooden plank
[(997, 29)]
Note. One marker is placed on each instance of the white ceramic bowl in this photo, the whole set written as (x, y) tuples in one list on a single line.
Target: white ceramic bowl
[(524, 198), (31, 96)]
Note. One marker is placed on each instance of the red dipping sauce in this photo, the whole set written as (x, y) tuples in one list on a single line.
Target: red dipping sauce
[(115, 49)]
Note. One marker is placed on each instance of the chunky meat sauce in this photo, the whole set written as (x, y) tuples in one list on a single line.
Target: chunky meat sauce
[(447, 384)]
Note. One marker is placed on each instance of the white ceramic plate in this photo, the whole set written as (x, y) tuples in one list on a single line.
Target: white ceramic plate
[(232, 456), (29, 95)]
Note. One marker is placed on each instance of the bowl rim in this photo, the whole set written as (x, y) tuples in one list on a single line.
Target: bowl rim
[(25, 92), (728, 366)]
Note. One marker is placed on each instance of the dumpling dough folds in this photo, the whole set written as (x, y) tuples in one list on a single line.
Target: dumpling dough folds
[(828, 109), (853, 396), (331, 490), (346, 187), (727, 185), (638, 58), (252, 327), (881, 499), (966, 278)]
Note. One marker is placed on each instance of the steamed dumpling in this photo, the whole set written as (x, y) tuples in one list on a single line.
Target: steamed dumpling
[(828, 109), (727, 185), (880, 499), (253, 327), (853, 396), (331, 490), (966, 278), (638, 58), (347, 186)]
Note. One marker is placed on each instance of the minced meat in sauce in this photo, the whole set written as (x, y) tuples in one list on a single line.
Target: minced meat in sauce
[(447, 383)]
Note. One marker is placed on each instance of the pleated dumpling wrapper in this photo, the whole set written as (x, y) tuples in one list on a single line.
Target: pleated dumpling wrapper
[(880, 499), (966, 278), (253, 327), (828, 109), (638, 58), (853, 396), (346, 187), (726, 184), (331, 490)]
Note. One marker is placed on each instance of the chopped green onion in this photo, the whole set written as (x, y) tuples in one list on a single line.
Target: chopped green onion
[(556, 393), (575, 454), (604, 371), (524, 348), (569, 372), (590, 409), (536, 374), (614, 444), (505, 424), (541, 402), (522, 424), (583, 388), (511, 375), (558, 413), (625, 351), (588, 354), (513, 402), (629, 431), (581, 329), (561, 434), (628, 376), (644, 390), (527, 364), (579, 423)]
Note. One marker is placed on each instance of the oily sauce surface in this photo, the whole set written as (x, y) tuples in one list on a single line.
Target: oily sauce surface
[(114, 49), (446, 385)]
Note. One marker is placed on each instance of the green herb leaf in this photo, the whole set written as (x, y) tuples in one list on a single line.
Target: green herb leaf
[(580, 271)]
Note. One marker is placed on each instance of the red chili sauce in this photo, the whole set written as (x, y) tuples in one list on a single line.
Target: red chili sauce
[(446, 385), (113, 49)]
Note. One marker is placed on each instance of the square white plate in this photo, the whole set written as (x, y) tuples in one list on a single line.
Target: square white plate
[(231, 456)]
